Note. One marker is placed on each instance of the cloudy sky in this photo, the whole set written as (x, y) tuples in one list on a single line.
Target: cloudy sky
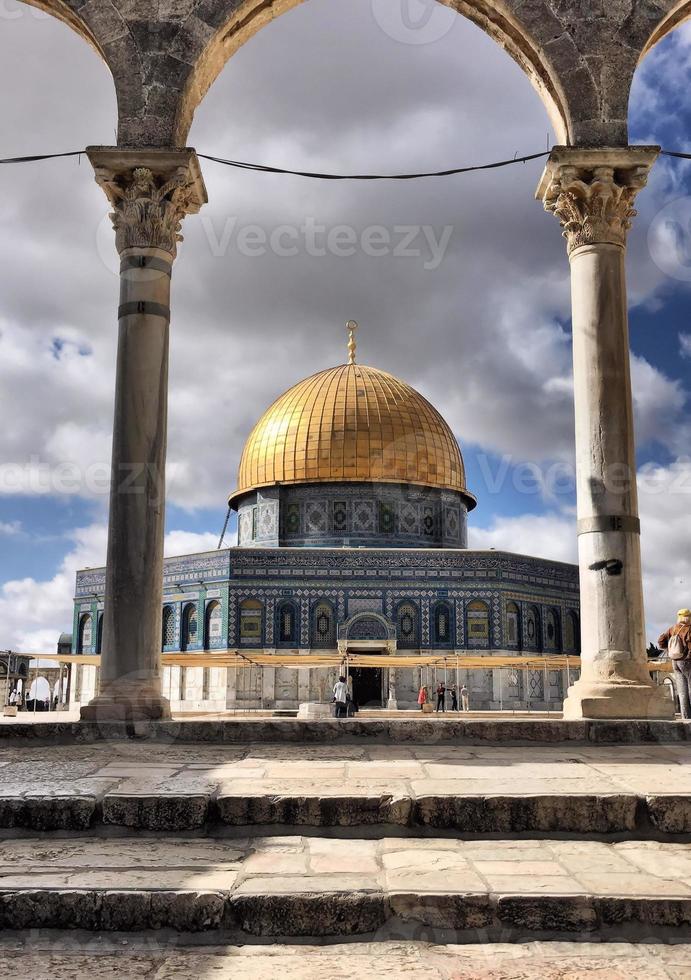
[(466, 298)]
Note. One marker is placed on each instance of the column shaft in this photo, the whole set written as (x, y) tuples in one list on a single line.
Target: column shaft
[(151, 191), (592, 193), (134, 577)]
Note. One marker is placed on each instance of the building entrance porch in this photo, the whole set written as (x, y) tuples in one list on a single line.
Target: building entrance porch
[(367, 687)]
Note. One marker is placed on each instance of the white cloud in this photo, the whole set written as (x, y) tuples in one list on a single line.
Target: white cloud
[(685, 344), (665, 506), (10, 528), (189, 542), (551, 536)]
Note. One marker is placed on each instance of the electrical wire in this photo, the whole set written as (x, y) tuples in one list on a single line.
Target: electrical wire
[(42, 156), (323, 176), (262, 168), (315, 175)]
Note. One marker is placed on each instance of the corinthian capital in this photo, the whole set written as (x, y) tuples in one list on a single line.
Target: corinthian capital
[(592, 191), (151, 191)]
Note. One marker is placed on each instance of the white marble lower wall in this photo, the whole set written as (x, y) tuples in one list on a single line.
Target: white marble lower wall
[(214, 689)]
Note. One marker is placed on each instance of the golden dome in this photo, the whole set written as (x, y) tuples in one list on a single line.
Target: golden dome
[(356, 424)]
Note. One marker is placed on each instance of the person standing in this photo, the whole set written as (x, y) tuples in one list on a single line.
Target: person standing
[(465, 701), (422, 697), (441, 697), (677, 642), (454, 698), (341, 697)]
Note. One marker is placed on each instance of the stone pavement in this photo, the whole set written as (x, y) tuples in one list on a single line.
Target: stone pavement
[(441, 841), (179, 787), (67, 956)]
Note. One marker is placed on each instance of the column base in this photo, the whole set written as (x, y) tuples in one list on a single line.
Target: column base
[(123, 708), (392, 704), (617, 700)]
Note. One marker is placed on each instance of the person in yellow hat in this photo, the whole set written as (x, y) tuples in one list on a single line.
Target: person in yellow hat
[(677, 641)]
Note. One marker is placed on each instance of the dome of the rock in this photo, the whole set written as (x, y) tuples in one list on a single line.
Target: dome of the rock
[(353, 424)]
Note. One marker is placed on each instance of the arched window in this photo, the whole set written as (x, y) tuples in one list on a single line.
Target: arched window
[(99, 634), (323, 626), (532, 628), (251, 617), (214, 625), (513, 621), (478, 622), (190, 627), (287, 624), (168, 627), (85, 637), (552, 629), (442, 624), (571, 637), (407, 626)]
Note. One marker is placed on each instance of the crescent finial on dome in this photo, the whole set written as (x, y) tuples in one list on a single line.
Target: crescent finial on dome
[(351, 327)]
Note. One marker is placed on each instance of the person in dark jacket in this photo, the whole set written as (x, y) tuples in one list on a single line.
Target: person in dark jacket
[(441, 697), (682, 668)]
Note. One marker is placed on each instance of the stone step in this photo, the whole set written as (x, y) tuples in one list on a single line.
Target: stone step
[(58, 955), (567, 813), (417, 788), (292, 887), (434, 730)]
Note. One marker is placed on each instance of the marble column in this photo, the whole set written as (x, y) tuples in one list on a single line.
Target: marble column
[(592, 192), (150, 191)]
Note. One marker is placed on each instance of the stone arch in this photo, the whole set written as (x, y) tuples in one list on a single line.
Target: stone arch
[(168, 627), (367, 626), (189, 638), (552, 629), (213, 624), (533, 629), (407, 619), (323, 622), (443, 626), (478, 623), (85, 633), (526, 32), (287, 626), (675, 13)]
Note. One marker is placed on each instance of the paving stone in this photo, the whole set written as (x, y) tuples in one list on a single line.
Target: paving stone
[(163, 812), (548, 913), (315, 811), (547, 869), (670, 814), (443, 911), (61, 959), (614, 883), (54, 812), (306, 884), (188, 911), (511, 814), (343, 913)]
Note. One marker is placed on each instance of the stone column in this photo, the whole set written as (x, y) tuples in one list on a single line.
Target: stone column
[(151, 191), (591, 192)]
